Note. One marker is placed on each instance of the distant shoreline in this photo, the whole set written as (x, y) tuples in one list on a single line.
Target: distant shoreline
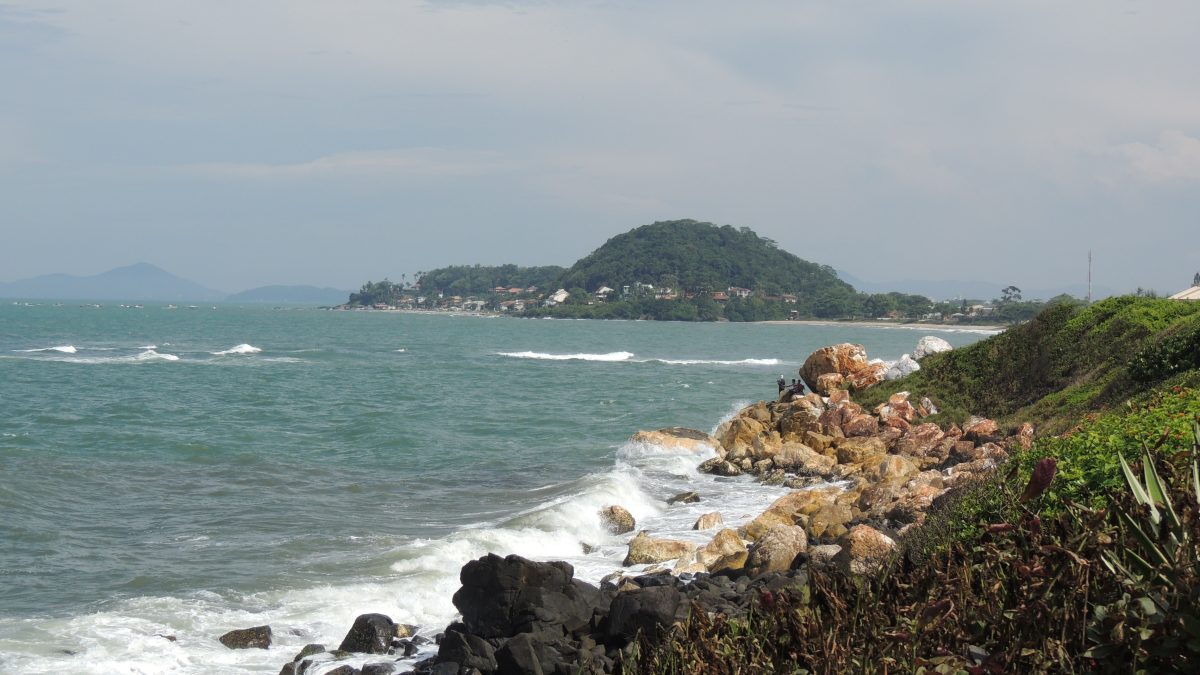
[(974, 328), (858, 323)]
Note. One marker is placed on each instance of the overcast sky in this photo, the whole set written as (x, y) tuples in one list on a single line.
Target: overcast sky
[(241, 142)]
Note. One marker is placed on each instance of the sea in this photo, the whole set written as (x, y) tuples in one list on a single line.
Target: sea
[(169, 474)]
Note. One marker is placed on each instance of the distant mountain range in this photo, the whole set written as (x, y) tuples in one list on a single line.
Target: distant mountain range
[(144, 281)]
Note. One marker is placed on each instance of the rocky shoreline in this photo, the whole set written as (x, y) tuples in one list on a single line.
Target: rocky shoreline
[(861, 480)]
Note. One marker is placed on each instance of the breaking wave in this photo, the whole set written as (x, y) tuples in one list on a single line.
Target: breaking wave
[(63, 349), (238, 350), (717, 362), (542, 356)]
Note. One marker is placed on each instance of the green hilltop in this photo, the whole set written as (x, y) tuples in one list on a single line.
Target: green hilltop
[(699, 257)]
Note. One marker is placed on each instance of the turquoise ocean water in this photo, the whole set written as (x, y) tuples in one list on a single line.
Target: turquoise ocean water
[(184, 471)]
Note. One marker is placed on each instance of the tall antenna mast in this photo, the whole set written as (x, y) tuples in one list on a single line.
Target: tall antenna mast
[(1089, 300)]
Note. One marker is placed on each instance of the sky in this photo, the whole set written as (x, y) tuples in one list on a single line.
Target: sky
[(241, 143)]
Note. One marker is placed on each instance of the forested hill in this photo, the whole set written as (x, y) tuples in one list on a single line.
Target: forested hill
[(481, 279), (697, 257)]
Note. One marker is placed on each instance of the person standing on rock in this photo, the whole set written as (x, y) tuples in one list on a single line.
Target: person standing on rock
[(782, 384)]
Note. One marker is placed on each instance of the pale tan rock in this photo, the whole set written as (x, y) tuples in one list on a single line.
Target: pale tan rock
[(708, 521), (817, 441), (677, 438), (738, 439), (828, 383), (981, 430), (689, 567), (864, 550), (802, 459), (860, 450), (776, 549), (830, 521), (787, 509), (799, 419), (891, 467), (914, 504), (839, 396), (617, 519), (725, 551), (644, 549), (861, 424), (867, 377), (841, 359), (821, 557)]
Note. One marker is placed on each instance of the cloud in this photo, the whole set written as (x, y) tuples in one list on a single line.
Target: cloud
[(414, 163), (1175, 157)]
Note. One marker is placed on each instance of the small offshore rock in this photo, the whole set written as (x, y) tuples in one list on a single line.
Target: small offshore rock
[(257, 637), (643, 549), (371, 633), (708, 521), (617, 519), (308, 651), (688, 497)]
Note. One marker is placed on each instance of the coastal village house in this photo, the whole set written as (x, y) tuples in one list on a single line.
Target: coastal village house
[(1192, 293)]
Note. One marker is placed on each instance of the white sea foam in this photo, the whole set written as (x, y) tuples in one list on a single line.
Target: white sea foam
[(717, 362), (62, 349), (543, 356), (151, 355), (241, 349)]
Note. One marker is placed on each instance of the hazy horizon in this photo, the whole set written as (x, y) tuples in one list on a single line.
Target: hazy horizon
[(299, 142)]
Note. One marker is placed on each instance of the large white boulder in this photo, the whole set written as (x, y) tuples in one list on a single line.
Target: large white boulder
[(930, 344), (904, 367)]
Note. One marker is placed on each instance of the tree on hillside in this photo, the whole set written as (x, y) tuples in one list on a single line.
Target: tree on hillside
[(1010, 294)]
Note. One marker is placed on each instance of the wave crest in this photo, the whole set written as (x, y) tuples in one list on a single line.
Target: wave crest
[(717, 362), (238, 350), (543, 356), (62, 349)]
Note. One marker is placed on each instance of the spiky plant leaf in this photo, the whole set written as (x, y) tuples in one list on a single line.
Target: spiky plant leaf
[(1139, 492)]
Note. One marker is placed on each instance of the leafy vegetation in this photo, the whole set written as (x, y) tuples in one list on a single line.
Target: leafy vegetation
[(482, 279), (1066, 361)]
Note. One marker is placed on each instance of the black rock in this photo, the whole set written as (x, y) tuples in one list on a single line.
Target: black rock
[(469, 651), (519, 656), (371, 633), (258, 637), (379, 668), (688, 497), (501, 597), (642, 610), (288, 669), (343, 670), (308, 651)]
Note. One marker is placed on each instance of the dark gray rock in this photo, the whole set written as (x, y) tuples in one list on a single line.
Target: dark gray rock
[(371, 633), (308, 651), (643, 610), (343, 670), (469, 651), (379, 668), (288, 669), (257, 637), (519, 656), (688, 497), (501, 597)]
